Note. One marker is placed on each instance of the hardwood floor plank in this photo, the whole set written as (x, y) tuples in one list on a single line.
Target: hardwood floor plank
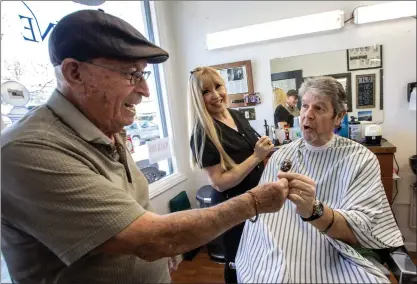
[(200, 270)]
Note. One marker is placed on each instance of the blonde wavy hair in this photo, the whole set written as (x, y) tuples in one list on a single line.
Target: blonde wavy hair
[(201, 124), (280, 97)]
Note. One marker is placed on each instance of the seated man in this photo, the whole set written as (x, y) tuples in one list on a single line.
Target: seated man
[(336, 203)]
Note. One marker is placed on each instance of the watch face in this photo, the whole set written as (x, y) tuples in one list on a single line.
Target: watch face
[(318, 208)]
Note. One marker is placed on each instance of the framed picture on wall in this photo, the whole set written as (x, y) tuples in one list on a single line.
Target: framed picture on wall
[(362, 58), (365, 91), (238, 79)]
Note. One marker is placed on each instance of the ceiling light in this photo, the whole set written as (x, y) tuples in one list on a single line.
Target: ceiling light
[(278, 29), (384, 11)]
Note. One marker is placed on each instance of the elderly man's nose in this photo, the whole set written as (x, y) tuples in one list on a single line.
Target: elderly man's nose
[(309, 113), (143, 88)]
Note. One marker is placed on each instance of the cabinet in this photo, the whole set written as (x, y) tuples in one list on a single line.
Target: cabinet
[(385, 155)]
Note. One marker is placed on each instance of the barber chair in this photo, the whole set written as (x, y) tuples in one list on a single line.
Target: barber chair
[(399, 263)]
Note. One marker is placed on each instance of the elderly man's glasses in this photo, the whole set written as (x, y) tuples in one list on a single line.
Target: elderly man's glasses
[(135, 77)]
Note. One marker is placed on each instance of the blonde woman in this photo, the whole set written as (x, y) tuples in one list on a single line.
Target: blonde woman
[(280, 97), (225, 145)]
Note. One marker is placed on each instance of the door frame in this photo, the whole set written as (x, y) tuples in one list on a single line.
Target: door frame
[(295, 74)]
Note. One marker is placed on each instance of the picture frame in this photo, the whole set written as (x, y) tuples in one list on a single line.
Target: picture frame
[(248, 113), (346, 80), (363, 58), (365, 91), (381, 89), (238, 81)]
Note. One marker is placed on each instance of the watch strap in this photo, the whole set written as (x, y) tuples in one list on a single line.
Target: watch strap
[(315, 215)]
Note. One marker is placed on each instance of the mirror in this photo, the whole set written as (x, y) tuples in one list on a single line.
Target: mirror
[(359, 70)]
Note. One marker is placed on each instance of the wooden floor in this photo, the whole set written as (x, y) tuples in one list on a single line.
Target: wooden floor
[(202, 270)]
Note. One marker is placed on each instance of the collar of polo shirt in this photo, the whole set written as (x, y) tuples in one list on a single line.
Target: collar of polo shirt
[(72, 117)]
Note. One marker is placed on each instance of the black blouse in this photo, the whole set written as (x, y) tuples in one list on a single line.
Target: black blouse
[(239, 145), (282, 114)]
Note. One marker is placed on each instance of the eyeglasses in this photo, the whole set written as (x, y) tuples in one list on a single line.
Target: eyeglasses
[(135, 77)]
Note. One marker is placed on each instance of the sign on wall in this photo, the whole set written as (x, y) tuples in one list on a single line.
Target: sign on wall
[(31, 27), (158, 150), (365, 91)]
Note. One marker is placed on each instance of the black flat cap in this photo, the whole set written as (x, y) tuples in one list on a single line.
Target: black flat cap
[(88, 34)]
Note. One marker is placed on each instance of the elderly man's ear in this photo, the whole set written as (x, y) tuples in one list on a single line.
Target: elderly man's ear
[(339, 117), (71, 71)]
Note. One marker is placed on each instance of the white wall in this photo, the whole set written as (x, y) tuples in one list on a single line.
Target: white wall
[(312, 64), (184, 25)]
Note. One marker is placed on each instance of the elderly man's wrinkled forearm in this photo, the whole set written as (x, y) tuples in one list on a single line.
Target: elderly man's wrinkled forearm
[(153, 236), (180, 232)]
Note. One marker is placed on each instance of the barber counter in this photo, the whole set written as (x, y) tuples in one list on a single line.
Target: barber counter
[(385, 155)]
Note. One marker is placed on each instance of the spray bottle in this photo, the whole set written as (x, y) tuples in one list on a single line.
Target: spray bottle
[(296, 131)]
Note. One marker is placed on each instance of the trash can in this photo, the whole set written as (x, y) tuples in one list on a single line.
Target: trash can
[(204, 200)]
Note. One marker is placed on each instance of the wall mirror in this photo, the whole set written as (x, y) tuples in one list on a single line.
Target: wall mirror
[(359, 70)]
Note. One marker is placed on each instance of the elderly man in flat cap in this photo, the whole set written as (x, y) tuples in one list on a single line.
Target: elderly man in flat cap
[(75, 208)]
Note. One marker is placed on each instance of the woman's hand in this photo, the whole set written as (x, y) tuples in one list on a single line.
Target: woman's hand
[(263, 147)]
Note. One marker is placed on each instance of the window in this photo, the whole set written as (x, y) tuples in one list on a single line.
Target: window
[(26, 26)]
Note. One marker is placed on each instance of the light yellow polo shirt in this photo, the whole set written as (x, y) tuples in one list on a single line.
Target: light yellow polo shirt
[(66, 189)]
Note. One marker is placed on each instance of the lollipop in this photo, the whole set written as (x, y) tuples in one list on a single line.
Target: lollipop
[(286, 165)]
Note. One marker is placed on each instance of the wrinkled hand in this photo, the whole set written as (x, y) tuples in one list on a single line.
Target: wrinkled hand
[(263, 147), (271, 196), (172, 264), (302, 192)]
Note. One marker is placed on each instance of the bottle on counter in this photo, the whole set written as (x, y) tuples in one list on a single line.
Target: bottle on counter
[(280, 134), (275, 140), (296, 131), (287, 139)]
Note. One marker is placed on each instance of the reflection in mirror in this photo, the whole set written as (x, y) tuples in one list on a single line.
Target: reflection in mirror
[(359, 70)]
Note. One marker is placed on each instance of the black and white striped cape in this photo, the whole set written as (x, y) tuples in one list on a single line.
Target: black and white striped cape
[(281, 248)]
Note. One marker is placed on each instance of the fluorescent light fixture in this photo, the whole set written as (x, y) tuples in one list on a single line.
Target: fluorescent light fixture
[(278, 29), (384, 11)]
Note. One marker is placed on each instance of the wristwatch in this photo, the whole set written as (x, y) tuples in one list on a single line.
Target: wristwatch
[(318, 211)]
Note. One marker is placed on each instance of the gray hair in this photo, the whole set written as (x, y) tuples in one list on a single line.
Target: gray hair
[(326, 86)]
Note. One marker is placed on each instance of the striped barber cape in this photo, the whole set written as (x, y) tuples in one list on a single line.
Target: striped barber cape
[(281, 248)]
